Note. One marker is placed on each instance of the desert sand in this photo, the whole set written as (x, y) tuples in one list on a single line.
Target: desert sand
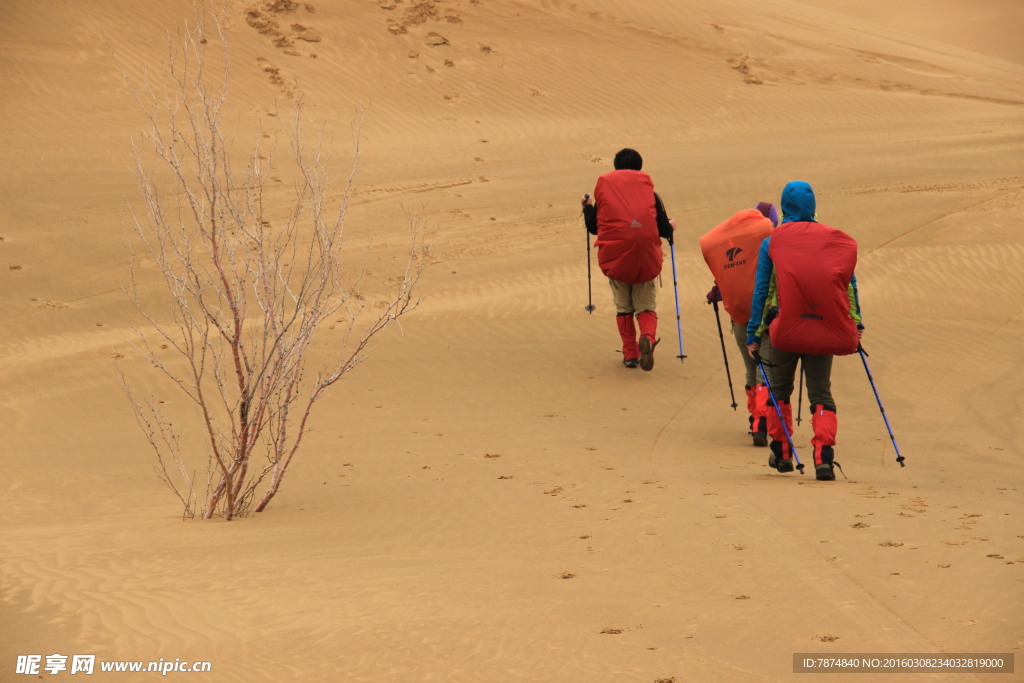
[(491, 496)]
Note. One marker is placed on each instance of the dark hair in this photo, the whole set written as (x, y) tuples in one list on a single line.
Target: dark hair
[(629, 159)]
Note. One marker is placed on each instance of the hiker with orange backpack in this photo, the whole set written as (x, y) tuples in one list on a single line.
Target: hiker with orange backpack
[(730, 250), (805, 307), (629, 220)]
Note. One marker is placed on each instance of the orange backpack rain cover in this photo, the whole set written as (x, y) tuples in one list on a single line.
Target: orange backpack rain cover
[(730, 250)]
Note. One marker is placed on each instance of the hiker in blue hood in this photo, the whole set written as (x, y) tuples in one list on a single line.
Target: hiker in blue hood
[(805, 308)]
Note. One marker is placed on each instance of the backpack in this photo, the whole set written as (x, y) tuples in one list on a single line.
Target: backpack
[(814, 264), (628, 246), (730, 250)]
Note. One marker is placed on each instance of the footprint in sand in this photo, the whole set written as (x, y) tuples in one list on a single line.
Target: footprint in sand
[(419, 12), (307, 34), (741, 66), (274, 75), (435, 39), (263, 18)]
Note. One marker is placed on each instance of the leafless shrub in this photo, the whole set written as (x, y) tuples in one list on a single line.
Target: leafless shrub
[(248, 287)]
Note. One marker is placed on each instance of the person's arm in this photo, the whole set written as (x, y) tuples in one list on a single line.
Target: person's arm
[(590, 214), (762, 283), (666, 226), (855, 312)]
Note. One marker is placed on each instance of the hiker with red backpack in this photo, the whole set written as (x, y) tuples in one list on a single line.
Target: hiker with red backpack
[(730, 250), (629, 220), (805, 307)]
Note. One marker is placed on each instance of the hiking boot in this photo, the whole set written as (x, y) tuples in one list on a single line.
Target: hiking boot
[(760, 434), (631, 362), (825, 469), (646, 353), (776, 460)]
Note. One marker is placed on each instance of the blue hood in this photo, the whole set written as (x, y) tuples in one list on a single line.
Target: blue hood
[(797, 202)]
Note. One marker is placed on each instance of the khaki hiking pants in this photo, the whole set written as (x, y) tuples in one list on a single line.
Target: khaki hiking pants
[(635, 298)]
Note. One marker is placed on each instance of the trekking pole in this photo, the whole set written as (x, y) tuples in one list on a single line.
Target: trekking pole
[(675, 285), (590, 308), (778, 411), (725, 357), (863, 357), (800, 394)]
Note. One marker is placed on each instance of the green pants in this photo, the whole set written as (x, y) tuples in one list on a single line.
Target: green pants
[(753, 374), (781, 369)]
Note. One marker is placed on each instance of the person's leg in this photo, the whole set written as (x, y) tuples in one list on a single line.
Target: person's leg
[(623, 299), (645, 299), (757, 393), (627, 331), (818, 374), (781, 367), (818, 377), (739, 333)]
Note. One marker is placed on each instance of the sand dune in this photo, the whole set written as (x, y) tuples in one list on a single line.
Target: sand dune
[(491, 496)]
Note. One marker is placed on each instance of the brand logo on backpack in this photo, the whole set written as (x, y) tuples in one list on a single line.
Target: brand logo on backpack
[(732, 253), (636, 224), (812, 305)]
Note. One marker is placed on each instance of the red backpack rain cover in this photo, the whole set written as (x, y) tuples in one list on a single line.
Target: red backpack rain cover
[(730, 250), (813, 267), (628, 246)]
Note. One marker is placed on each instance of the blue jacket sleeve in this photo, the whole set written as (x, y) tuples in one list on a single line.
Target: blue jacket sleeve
[(761, 284)]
